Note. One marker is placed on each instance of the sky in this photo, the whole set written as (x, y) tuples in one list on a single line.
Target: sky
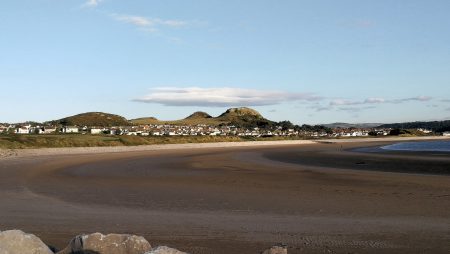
[(308, 62)]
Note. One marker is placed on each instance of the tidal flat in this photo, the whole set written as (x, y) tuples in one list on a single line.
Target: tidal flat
[(316, 198)]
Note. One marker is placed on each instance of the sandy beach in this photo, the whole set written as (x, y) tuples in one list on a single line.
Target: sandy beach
[(316, 197)]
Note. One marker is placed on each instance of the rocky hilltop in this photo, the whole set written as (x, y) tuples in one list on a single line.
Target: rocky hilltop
[(18, 242), (239, 112), (198, 115), (245, 117)]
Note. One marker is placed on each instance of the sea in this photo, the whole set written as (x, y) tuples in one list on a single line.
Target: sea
[(424, 146)]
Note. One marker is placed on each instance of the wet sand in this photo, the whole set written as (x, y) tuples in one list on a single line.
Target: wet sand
[(316, 198)]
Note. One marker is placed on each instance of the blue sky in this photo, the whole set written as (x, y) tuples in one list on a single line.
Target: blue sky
[(305, 61)]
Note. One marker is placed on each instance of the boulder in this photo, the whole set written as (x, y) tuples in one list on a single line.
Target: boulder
[(278, 249), (107, 244), (165, 250), (18, 242)]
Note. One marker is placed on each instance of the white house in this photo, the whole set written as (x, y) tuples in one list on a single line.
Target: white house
[(447, 134), (46, 130), (23, 130), (69, 129), (424, 130), (96, 131), (114, 132)]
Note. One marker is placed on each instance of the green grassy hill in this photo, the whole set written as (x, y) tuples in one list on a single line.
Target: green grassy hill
[(99, 119)]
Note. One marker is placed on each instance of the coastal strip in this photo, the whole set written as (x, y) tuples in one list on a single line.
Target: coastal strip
[(20, 153)]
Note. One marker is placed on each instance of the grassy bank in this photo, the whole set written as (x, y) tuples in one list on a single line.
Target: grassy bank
[(77, 140)]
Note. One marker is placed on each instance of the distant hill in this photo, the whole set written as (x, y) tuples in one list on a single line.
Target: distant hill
[(437, 126), (236, 113), (243, 117), (352, 125), (145, 120), (94, 119), (198, 115)]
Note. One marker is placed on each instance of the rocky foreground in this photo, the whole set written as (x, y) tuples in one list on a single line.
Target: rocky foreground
[(18, 242)]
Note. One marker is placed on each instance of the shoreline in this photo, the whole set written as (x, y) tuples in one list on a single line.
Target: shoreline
[(32, 152)]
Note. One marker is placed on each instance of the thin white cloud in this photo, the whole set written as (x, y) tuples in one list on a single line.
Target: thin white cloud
[(355, 109), (149, 24), (221, 97), (343, 102), (92, 3), (417, 98), (135, 20), (322, 108), (374, 100), (358, 105)]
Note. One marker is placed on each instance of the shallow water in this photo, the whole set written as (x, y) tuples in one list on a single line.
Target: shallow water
[(432, 146)]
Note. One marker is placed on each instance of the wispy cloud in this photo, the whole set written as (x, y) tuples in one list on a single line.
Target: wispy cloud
[(92, 3), (359, 105), (149, 24), (221, 97), (343, 102), (417, 98), (374, 100), (227, 96), (355, 109)]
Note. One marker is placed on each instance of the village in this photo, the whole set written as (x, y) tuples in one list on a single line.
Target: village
[(196, 130)]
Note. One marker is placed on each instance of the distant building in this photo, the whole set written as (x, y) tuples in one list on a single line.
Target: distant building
[(23, 130), (447, 134), (69, 129), (96, 131), (45, 130), (424, 130)]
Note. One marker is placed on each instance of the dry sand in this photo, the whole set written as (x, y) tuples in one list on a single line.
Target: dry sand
[(317, 198)]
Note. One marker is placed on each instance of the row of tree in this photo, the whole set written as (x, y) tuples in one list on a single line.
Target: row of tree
[(285, 125), (436, 126)]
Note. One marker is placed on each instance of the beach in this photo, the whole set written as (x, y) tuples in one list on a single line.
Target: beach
[(315, 196)]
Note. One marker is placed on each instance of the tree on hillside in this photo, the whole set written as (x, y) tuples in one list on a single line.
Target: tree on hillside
[(286, 125)]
